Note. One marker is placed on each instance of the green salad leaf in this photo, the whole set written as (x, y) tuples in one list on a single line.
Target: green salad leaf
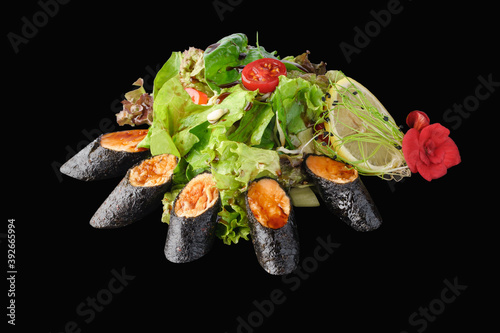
[(234, 166), (171, 106), (224, 58), (239, 135), (161, 142), (253, 124), (217, 147), (296, 103), (168, 71), (192, 70)]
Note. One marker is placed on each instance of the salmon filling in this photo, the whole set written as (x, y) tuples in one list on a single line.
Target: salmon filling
[(332, 170), (154, 171), (197, 196), (269, 203), (124, 140)]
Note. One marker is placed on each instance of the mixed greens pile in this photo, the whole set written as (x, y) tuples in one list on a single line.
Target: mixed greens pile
[(239, 134)]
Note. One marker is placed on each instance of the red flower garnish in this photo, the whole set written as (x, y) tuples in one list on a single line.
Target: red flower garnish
[(428, 149), (417, 120)]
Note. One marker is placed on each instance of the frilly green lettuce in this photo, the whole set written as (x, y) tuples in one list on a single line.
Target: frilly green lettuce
[(235, 165), (204, 146), (296, 103), (243, 142), (192, 70)]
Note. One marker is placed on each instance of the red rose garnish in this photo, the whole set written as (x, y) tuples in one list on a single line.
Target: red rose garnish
[(428, 149)]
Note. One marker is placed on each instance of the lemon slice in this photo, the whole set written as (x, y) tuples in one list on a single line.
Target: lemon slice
[(363, 133)]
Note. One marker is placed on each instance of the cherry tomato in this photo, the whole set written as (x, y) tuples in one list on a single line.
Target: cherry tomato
[(197, 96), (262, 74)]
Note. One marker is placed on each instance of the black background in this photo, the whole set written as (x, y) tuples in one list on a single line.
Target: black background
[(63, 86)]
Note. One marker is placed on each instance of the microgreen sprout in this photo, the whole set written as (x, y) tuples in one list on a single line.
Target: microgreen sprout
[(369, 135)]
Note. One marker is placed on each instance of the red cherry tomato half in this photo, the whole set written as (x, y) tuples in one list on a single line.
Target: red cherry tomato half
[(262, 74), (197, 96)]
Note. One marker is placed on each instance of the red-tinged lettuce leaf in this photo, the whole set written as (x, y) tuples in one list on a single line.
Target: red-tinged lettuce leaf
[(303, 61), (137, 107)]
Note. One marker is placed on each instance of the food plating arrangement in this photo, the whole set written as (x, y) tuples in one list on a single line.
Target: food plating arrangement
[(233, 137)]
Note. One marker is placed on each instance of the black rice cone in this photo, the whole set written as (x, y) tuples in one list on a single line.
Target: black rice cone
[(350, 201), (94, 162), (277, 250), (190, 238)]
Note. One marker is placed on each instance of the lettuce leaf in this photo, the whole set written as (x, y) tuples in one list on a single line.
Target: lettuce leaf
[(234, 166), (224, 59), (296, 103), (167, 71), (242, 163), (168, 203), (234, 220), (198, 159), (204, 146), (137, 107), (171, 106), (161, 142), (192, 70), (241, 145), (179, 181), (253, 124)]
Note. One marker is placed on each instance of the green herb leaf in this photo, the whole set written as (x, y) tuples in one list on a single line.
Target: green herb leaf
[(168, 71), (296, 103), (223, 59), (234, 166), (253, 124)]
